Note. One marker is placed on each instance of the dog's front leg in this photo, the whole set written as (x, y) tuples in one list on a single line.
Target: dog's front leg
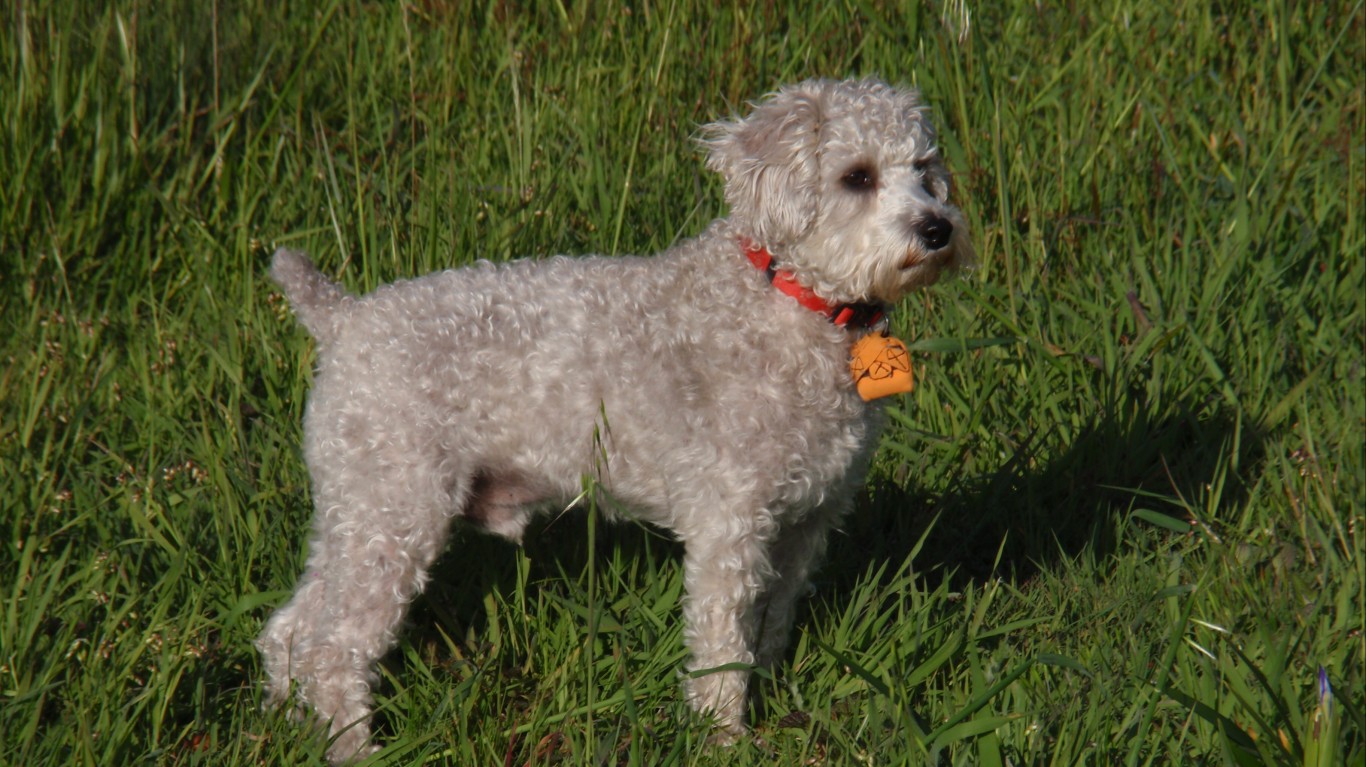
[(725, 573), (797, 551)]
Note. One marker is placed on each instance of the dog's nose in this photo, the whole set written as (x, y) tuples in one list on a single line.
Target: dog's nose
[(934, 232)]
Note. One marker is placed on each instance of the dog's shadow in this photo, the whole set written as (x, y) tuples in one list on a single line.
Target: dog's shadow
[(479, 572), (1042, 504), (1036, 507)]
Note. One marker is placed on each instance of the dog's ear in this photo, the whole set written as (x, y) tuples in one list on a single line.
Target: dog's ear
[(771, 163)]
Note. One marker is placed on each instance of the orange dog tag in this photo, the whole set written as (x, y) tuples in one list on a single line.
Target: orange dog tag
[(881, 366)]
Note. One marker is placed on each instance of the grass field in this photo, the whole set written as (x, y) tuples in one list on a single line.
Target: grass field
[(1126, 530)]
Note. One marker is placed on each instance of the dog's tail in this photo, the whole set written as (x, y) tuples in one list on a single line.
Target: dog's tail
[(316, 300)]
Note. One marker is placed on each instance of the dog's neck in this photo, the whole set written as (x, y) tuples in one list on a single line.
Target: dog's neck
[(858, 316)]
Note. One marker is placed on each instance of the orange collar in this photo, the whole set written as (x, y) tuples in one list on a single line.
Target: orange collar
[(856, 315)]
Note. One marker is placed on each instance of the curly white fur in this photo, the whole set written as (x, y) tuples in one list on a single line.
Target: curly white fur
[(475, 394)]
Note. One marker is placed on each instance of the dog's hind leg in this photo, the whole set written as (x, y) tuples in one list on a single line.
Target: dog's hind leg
[(382, 518)]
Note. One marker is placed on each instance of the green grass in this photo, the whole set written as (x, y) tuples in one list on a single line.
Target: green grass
[(1126, 532)]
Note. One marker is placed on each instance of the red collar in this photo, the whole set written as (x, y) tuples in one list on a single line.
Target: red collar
[(857, 315)]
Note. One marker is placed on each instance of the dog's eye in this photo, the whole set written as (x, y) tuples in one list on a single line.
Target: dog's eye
[(859, 179)]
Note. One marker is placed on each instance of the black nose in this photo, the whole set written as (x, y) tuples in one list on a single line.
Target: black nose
[(934, 232)]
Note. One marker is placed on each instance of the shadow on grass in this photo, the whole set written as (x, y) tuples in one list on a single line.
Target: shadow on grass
[(478, 566), (1036, 509), (1045, 503)]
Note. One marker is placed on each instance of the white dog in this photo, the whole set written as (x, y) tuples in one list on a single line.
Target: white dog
[(721, 367)]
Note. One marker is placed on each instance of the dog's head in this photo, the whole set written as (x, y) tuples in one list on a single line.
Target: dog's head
[(843, 182)]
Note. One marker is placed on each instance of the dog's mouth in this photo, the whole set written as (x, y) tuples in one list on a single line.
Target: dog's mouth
[(934, 259)]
